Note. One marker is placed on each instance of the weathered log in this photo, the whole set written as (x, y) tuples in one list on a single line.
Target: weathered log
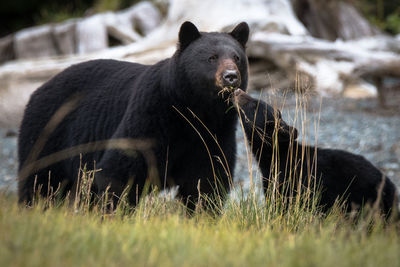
[(144, 16), (381, 68), (333, 19), (64, 36), (86, 35), (6, 48), (332, 65), (91, 34), (377, 71), (35, 43)]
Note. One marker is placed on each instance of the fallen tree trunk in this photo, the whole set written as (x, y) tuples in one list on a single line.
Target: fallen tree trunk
[(333, 19), (331, 65)]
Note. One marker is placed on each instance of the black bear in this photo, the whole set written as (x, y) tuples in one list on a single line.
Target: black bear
[(179, 107), (340, 175)]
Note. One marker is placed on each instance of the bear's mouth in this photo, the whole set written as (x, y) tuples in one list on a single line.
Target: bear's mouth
[(229, 90)]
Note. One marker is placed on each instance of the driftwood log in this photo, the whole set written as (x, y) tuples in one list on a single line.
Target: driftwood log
[(333, 19), (348, 61)]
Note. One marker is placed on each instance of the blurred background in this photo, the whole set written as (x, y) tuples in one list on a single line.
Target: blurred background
[(340, 58)]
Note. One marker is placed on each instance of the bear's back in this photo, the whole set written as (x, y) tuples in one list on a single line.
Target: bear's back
[(97, 85)]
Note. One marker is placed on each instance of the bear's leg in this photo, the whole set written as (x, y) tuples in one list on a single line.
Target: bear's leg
[(49, 182), (212, 197), (120, 174), (212, 180), (197, 179)]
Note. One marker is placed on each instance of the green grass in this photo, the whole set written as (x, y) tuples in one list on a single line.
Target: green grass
[(158, 233), (248, 231)]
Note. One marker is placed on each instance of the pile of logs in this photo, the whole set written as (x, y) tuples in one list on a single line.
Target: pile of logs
[(82, 36)]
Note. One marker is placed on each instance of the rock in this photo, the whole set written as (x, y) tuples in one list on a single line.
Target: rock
[(360, 90), (11, 133), (13, 97), (266, 75), (6, 48), (35, 42)]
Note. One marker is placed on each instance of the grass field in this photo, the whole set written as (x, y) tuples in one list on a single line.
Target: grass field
[(158, 233), (247, 231)]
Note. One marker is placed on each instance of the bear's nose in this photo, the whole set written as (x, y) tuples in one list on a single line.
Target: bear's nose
[(231, 78)]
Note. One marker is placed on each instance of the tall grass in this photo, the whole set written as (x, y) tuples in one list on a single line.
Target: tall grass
[(84, 231), (159, 233)]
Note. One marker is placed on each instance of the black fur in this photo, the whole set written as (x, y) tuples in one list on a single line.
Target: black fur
[(152, 102), (341, 175)]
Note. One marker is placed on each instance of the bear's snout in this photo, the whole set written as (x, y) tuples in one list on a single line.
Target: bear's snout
[(228, 75), (231, 78)]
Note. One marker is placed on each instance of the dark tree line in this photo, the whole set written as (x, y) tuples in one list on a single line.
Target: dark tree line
[(19, 14)]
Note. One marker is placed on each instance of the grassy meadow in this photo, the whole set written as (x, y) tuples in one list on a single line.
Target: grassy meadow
[(248, 230), (159, 233)]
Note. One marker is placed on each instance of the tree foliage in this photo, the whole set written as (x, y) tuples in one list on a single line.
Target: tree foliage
[(383, 13), (18, 14)]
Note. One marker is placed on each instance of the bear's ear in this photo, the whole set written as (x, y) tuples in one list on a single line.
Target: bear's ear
[(241, 33), (187, 34)]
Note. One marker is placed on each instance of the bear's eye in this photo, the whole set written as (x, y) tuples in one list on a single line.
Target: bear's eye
[(236, 58), (213, 58)]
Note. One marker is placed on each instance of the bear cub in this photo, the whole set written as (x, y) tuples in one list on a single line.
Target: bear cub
[(168, 123), (340, 175)]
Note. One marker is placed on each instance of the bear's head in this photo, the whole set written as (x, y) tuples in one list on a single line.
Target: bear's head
[(262, 119), (214, 64)]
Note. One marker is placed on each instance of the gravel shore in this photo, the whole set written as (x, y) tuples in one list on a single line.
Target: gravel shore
[(359, 126)]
